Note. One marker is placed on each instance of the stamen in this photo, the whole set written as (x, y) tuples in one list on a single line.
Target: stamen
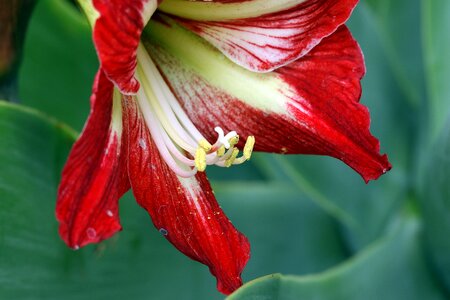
[(185, 150), (158, 139), (247, 153), (171, 126), (176, 152), (164, 91), (232, 158)]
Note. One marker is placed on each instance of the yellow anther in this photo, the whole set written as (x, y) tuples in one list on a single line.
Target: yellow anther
[(232, 158), (233, 141), (205, 145), (221, 151), (248, 148), (200, 159)]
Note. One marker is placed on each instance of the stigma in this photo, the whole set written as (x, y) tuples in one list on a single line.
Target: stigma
[(185, 150)]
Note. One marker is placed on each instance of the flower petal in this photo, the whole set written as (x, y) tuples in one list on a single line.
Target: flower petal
[(94, 177), (266, 42), (184, 210), (310, 106), (117, 31)]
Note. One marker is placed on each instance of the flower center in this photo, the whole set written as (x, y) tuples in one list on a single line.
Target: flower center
[(185, 150)]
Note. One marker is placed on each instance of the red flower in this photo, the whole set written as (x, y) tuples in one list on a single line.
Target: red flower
[(284, 72)]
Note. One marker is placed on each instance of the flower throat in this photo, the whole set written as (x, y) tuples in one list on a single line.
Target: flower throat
[(185, 150)]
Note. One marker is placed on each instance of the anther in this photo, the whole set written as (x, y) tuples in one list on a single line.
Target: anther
[(200, 159), (205, 145), (221, 151), (232, 158), (248, 148), (234, 140)]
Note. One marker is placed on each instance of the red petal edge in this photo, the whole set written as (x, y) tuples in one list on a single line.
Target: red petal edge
[(117, 32), (341, 125), (323, 115), (94, 177), (270, 41), (184, 210)]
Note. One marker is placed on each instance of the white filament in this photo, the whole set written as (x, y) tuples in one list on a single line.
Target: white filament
[(174, 134)]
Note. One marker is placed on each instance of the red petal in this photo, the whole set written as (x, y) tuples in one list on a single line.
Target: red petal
[(336, 125), (318, 97), (94, 177), (184, 210), (116, 36), (269, 41)]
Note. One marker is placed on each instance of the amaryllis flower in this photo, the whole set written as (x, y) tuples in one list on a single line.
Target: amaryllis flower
[(202, 80)]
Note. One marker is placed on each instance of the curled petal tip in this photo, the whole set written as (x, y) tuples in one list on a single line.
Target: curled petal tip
[(384, 166), (130, 88)]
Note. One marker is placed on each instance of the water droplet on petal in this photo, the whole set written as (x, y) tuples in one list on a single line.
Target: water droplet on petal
[(109, 213), (91, 233), (76, 247), (163, 231), (142, 144)]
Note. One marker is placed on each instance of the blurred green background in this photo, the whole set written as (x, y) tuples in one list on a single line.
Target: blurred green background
[(316, 230)]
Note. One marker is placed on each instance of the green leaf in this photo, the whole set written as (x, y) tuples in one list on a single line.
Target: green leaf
[(59, 63), (364, 210), (35, 263), (392, 268), (397, 26), (138, 262), (436, 45), (434, 178), (435, 200), (278, 220)]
